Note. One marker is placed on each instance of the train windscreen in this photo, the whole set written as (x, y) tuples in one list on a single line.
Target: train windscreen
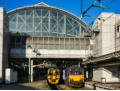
[(76, 71)]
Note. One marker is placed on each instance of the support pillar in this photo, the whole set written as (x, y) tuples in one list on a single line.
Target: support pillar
[(31, 73)]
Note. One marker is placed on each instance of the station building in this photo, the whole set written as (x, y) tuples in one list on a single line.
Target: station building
[(104, 64), (43, 34)]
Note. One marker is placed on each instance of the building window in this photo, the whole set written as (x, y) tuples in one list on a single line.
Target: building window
[(118, 29)]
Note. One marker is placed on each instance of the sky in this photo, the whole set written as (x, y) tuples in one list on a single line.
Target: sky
[(72, 6)]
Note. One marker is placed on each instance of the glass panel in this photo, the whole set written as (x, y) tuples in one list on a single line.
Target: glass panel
[(69, 26), (60, 15), (53, 28), (45, 20), (29, 12), (44, 27), (30, 33), (77, 31), (61, 25), (21, 27), (29, 23), (21, 18), (68, 29), (38, 28), (45, 34), (37, 12), (38, 33), (61, 35), (53, 34), (53, 14), (45, 13), (69, 20), (39, 22), (21, 12), (29, 27), (75, 23), (12, 18), (52, 20), (82, 30), (12, 26), (29, 19)]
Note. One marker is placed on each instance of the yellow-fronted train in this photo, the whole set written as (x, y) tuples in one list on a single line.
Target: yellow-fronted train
[(53, 76), (74, 76)]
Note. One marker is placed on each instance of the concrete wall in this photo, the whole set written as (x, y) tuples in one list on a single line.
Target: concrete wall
[(97, 50), (107, 74), (53, 47), (108, 34), (45, 53), (105, 41), (111, 74), (3, 43), (97, 74)]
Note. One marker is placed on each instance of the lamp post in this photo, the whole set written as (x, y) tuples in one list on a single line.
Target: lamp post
[(29, 76), (37, 53)]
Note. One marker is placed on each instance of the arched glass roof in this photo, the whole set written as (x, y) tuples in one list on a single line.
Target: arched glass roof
[(43, 20)]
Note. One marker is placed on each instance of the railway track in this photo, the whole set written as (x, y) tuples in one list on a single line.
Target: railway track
[(38, 85)]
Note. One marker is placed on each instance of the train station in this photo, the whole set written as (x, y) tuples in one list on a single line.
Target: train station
[(37, 37), (41, 34)]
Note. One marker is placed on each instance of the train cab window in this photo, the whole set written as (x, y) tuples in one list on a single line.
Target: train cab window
[(50, 72), (76, 72)]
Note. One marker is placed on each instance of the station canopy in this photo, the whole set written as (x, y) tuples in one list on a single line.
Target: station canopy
[(44, 20)]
